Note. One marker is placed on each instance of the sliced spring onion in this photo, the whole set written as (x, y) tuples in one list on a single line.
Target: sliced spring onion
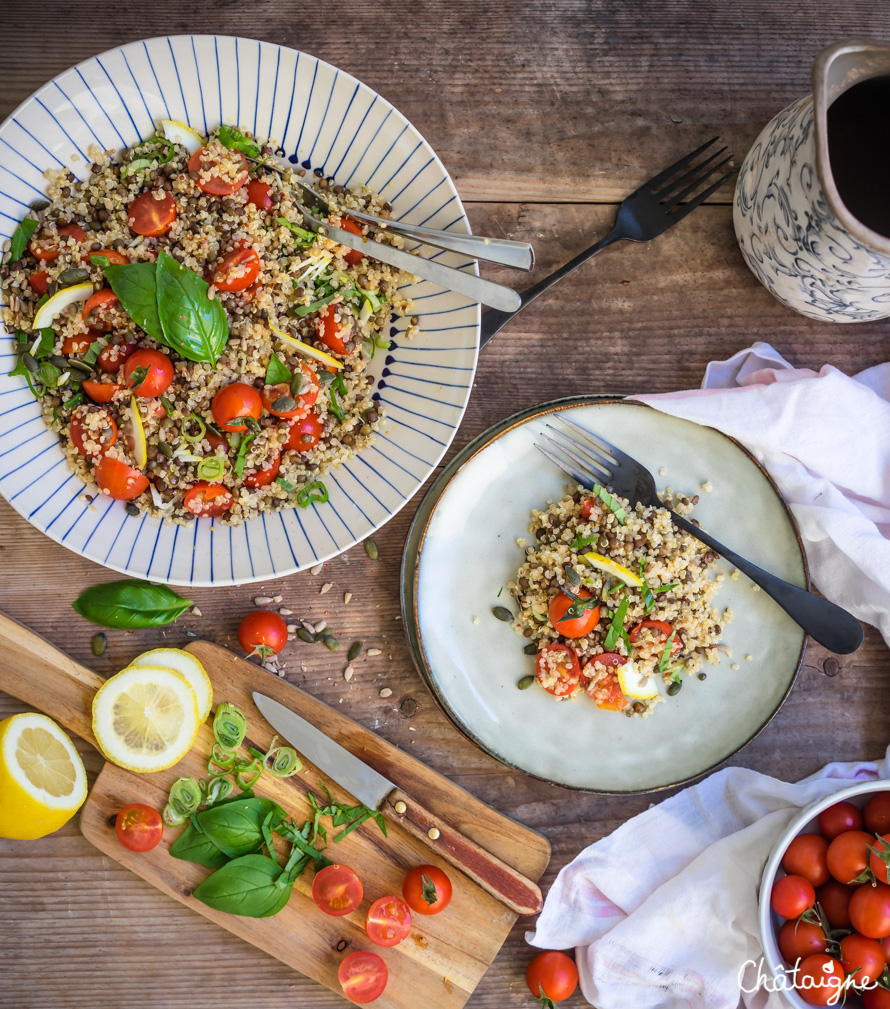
[(247, 772), (218, 789), (229, 726), (366, 311), (144, 150), (382, 342), (221, 760), (281, 761), (315, 491), (284, 483), (211, 468), (193, 418), (242, 454), (313, 267), (133, 167), (171, 817), (185, 797)]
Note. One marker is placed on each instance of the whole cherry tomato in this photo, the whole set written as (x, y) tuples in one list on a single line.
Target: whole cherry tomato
[(863, 958), (426, 889), (819, 980), (876, 814), (834, 899), (148, 373), (799, 939), (554, 974), (572, 627), (847, 855), (805, 856), (791, 896), (233, 404), (879, 857), (262, 633), (837, 819), (870, 910)]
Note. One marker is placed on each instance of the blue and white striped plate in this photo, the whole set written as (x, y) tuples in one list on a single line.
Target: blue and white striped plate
[(324, 119)]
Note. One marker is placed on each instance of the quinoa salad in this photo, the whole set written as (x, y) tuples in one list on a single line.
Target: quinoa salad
[(198, 350), (615, 601)]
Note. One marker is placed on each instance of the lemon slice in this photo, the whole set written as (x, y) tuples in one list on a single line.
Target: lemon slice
[(633, 683), (145, 718), (186, 665), (305, 349), (59, 302), (134, 435), (42, 780), (179, 133), (610, 567)]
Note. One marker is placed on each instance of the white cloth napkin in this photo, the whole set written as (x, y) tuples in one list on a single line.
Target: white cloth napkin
[(825, 439), (663, 912)]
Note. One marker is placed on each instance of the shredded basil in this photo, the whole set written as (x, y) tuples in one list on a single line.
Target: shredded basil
[(242, 454), (616, 628), (665, 659), (235, 140), (610, 502), (306, 237), (20, 238)]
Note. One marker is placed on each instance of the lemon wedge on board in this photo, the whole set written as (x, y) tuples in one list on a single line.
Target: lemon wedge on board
[(42, 779), (610, 567), (187, 666), (179, 133), (305, 349), (145, 718)]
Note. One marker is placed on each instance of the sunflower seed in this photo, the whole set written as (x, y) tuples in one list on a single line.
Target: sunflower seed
[(262, 600), (285, 612), (325, 588), (348, 673), (317, 569), (386, 692), (320, 626), (346, 597), (308, 625), (371, 652), (291, 628)]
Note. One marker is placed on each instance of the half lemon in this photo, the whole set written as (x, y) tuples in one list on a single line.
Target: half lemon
[(42, 779), (145, 718), (186, 665), (610, 567)]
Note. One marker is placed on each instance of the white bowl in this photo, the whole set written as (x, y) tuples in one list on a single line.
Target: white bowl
[(323, 118), (770, 922)]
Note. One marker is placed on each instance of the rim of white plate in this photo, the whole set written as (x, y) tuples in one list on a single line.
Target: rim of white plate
[(422, 386)]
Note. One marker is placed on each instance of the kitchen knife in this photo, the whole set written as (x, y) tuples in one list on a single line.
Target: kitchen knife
[(502, 881)]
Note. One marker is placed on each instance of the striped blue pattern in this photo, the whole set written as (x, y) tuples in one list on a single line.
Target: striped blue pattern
[(325, 120)]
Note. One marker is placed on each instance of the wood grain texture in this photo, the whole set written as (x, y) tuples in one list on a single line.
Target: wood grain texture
[(539, 110)]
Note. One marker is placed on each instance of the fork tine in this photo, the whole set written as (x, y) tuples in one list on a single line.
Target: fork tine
[(567, 468), (590, 465), (678, 213), (601, 443), (656, 180), (691, 174), (585, 451), (674, 200)]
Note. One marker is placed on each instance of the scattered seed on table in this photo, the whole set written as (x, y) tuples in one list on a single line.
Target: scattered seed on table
[(386, 692), (317, 569), (674, 687), (531, 649), (371, 652), (262, 600), (325, 588), (331, 643), (196, 612), (320, 626), (502, 613), (281, 673), (308, 625), (371, 549), (355, 650), (348, 673), (99, 643), (291, 628), (525, 682), (276, 599), (285, 612), (305, 635), (346, 597)]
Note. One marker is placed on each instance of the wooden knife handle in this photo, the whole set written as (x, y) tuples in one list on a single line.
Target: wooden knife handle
[(37, 673), (502, 881)]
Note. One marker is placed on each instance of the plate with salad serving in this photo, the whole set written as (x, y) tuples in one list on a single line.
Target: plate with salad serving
[(585, 640), (194, 387)]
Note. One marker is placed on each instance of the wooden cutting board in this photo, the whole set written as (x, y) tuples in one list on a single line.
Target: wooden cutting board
[(445, 955)]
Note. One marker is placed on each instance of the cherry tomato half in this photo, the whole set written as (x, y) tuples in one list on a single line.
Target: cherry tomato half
[(805, 856), (573, 627), (48, 249), (557, 669), (337, 890), (114, 257), (114, 355), (39, 282), (96, 308), (362, 976), (662, 627), (605, 689), (100, 392), (260, 194), (426, 889), (329, 329), (238, 270), (862, 957), (834, 899), (118, 480), (262, 633), (876, 814), (587, 508), (352, 256), (799, 939), (554, 974), (152, 213), (819, 980), (234, 402), (205, 163), (82, 342), (155, 368), (870, 910), (847, 855), (104, 433), (388, 921), (139, 827), (208, 500), (263, 477), (305, 399), (837, 819), (791, 896), (305, 433)]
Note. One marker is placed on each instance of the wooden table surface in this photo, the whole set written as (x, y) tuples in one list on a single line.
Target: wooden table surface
[(546, 113)]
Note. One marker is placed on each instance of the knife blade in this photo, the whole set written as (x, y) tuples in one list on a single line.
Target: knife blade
[(376, 791)]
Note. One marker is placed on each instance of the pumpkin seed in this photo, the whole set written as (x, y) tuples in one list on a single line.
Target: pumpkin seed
[(60, 362), (573, 576), (296, 384), (531, 649), (355, 650), (330, 642), (166, 449), (305, 635), (325, 377), (674, 687), (30, 362), (283, 404), (525, 682), (40, 205), (99, 643), (371, 549), (73, 275), (79, 366), (502, 613)]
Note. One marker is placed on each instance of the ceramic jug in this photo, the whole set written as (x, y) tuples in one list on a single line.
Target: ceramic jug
[(794, 230)]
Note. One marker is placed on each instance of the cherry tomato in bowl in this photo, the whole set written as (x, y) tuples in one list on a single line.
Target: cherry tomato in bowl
[(352, 256), (426, 889), (47, 248), (791, 896), (819, 980), (337, 890), (262, 633), (238, 270), (806, 856), (139, 827), (876, 814), (219, 176), (362, 976), (152, 213), (800, 939), (388, 921), (264, 476), (148, 373), (572, 627), (119, 480), (260, 194), (834, 899), (847, 855), (838, 819), (233, 404), (96, 309), (330, 331), (870, 910), (863, 958), (305, 433), (208, 500), (101, 432), (554, 974)]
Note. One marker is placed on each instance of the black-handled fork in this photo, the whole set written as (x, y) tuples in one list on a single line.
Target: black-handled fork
[(647, 213), (591, 459)]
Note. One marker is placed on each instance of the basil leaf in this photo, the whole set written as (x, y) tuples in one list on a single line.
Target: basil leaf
[(246, 886), (666, 588), (94, 350), (193, 846), (130, 604), (45, 347), (583, 541), (241, 458), (194, 326), (102, 261), (616, 628), (236, 827), (298, 311), (610, 502), (665, 659), (235, 140), (277, 372), (20, 238), (137, 289)]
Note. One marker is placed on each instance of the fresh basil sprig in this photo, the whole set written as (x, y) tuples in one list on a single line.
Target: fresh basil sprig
[(254, 886), (130, 604), (235, 140), (277, 372), (20, 238), (235, 827)]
